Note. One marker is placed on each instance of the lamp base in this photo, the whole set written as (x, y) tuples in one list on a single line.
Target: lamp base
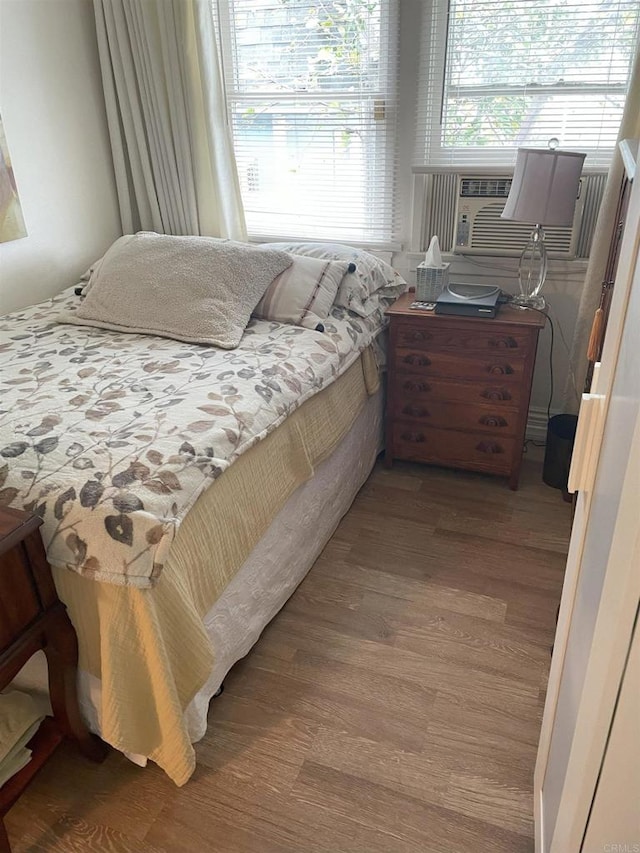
[(532, 271), (523, 301)]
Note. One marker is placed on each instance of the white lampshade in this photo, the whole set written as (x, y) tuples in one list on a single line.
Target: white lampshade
[(544, 187)]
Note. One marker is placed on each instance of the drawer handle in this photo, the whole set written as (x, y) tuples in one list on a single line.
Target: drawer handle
[(412, 385), (419, 360), (417, 335), (496, 394), (493, 421), (415, 411), (489, 447), (414, 437), (500, 369), (503, 343)]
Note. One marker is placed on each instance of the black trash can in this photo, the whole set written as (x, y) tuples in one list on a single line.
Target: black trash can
[(561, 433)]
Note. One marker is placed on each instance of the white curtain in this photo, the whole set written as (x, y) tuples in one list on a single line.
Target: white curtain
[(172, 150), (605, 226)]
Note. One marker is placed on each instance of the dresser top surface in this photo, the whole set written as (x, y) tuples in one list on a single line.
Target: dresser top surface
[(508, 315)]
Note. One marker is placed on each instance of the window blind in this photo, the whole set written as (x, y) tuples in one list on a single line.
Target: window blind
[(312, 104), (503, 74)]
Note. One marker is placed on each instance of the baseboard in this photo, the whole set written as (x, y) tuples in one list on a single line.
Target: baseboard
[(537, 424)]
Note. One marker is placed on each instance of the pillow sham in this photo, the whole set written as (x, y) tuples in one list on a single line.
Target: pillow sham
[(304, 293), (360, 291), (195, 289)]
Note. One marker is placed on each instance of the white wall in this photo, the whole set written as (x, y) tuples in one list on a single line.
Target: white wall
[(53, 112)]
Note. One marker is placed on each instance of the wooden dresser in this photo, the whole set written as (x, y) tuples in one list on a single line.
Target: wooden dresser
[(32, 618), (459, 387)]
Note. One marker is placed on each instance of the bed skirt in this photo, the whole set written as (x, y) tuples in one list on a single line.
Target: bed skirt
[(286, 552)]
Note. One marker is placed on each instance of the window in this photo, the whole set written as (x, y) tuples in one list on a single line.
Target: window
[(310, 91), (500, 74)]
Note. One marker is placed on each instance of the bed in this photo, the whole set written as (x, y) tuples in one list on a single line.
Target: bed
[(185, 490)]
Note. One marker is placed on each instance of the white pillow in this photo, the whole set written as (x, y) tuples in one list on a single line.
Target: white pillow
[(194, 289), (304, 293), (360, 290)]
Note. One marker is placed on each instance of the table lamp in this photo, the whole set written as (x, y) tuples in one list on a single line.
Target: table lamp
[(543, 192)]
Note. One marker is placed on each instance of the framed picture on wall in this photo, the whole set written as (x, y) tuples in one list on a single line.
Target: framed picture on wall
[(12, 225)]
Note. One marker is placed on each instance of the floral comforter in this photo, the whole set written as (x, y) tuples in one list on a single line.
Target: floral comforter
[(111, 437)]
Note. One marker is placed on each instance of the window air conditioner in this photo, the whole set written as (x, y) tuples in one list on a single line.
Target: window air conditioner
[(480, 231)]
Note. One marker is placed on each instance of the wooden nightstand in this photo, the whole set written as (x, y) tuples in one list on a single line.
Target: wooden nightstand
[(459, 387), (32, 618)]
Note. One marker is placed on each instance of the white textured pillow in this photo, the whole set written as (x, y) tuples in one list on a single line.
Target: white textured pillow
[(304, 293), (359, 291), (195, 289)]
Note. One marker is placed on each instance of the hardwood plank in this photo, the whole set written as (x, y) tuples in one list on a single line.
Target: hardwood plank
[(428, 505), (384, 696), (387, 528), (477, 790), (381, 659), (466, 726), (267, 825), (217, 809), (264, 751), (515, 529), (418, 774), (452, 554), (342, 710), (427, 828), (115, 795), (186, 832), (338, 604), (484, 646), (74, 835), (499, 804), (419, 593), (396, 478), (532, 571)]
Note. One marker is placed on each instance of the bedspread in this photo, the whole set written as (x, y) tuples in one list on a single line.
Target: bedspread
[(150, 648), (111, 437)]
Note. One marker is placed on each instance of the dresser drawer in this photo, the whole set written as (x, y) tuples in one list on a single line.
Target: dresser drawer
[(476, 451), (446, 364), (512, 342), (461, 416), (415, 386)]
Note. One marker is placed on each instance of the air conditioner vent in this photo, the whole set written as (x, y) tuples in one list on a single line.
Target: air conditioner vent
[(485, 187), (513, 236)]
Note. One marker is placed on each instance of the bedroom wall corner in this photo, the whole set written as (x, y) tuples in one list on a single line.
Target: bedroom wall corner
[(54, 119)]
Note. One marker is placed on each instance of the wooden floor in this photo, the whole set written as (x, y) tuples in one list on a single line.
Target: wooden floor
[(392, 706)]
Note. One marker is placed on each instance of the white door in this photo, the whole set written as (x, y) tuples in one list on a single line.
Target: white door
[(615, 814), (602, 581)]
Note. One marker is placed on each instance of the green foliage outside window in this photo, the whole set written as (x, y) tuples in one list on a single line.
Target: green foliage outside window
[(547, 43)]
